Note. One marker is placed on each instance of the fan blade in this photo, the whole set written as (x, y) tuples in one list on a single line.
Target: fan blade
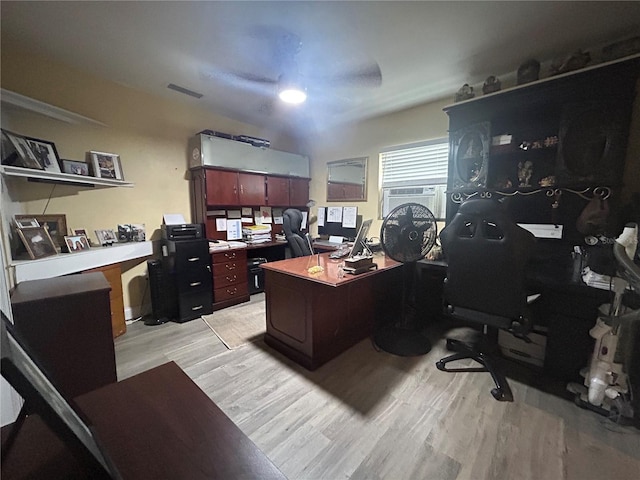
[(368, 75)]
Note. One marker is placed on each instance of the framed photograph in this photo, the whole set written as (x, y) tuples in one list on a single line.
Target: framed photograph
[(46, 153), (16, 151), (106, 165), (80, 231), (131, 232), (26, 222), (37, 241), (76, 243), (106, 237), (56, 224), (75, 168)]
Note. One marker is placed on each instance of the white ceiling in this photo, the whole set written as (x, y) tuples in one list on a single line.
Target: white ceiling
[(425, 50)]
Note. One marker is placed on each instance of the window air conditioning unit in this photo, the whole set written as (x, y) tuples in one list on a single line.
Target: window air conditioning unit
[(432, 196)]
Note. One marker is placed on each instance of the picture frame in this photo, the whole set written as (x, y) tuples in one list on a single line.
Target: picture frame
[(106, 237), (80, 231), (46, 153), (17, 151), (38, 242), (26, 222), (74, 167), (131, 232), (56, 225), (106, 165), (77, 243)]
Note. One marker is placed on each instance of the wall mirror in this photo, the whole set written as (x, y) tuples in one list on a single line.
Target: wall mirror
[(347, 180)]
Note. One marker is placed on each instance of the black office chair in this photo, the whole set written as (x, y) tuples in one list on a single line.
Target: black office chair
[(291, 224), (486, 254)]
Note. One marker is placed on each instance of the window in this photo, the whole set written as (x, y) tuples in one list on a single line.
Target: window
[(415, 173)]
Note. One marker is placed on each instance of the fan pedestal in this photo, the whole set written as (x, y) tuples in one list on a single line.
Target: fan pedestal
[(402, 342)]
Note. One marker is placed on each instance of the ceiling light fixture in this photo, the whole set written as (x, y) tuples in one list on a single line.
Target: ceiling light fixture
[(290, 89)]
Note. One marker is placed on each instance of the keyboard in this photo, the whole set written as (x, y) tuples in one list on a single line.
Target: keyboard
[(327, 243)]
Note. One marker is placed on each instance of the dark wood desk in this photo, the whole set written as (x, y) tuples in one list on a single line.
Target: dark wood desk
[(313, 317), (155, 425)]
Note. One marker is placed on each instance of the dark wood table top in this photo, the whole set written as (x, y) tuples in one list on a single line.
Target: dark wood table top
[(330, 275), (160, 424)]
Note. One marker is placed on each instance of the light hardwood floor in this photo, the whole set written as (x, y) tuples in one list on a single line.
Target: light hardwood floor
[(369, 414)]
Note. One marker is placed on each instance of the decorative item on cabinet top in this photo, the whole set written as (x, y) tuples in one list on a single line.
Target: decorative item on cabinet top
[(469, 151)]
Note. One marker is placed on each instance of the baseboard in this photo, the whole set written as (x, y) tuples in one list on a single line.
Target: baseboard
[(131, 313)]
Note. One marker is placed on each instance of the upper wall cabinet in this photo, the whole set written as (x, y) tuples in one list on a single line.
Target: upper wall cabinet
[(206, 150), (569, 131)]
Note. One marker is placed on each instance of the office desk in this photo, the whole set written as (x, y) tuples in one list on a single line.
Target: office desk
[(157, 424), (567, 309), (312, 318)]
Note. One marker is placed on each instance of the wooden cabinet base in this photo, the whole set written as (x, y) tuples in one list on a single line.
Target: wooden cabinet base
[(113, 274)]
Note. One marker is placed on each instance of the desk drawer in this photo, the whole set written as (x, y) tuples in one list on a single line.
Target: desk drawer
[(236, 267), (232, 291), (223, 257), (231, 278)]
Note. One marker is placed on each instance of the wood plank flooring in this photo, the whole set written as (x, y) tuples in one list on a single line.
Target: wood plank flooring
[(372, 415)]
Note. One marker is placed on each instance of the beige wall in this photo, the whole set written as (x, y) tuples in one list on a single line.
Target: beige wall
[(150, 134), (367, 138)]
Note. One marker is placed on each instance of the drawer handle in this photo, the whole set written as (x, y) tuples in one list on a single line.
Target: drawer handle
[(232, 291), (230, 255), (195, 284), (231, 278), (199, 307), (231, 266), (194, 259)]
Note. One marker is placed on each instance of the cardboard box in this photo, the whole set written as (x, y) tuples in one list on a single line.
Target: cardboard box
[(518, 349)]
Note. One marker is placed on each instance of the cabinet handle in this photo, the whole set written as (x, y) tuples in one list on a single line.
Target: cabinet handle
[(195, 284), (199, 307), (231, 266), (194, 259), (230, 255), (231, 278), (242, 189), (232, 291)]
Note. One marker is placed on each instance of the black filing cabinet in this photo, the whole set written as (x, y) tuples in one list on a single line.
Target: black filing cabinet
[(190, 266)]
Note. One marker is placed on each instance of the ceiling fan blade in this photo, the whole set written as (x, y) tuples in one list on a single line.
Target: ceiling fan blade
[(368, 75)]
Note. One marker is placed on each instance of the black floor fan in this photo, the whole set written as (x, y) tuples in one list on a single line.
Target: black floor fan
[(407, 234)]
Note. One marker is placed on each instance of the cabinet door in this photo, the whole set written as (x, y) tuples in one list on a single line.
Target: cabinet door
[(222, 187), (277, 191), (252, 189), (469, 154), (298, 192)]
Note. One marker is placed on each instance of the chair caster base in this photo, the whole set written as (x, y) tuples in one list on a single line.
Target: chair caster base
[(501, 395)]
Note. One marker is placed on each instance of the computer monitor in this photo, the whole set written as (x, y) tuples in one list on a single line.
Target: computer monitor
[(359, 245)]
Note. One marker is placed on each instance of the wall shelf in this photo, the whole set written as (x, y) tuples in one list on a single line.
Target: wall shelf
[(66, 263), (64, 178)]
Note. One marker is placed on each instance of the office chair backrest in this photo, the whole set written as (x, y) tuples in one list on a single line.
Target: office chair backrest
[(291, 224), (487, 253)]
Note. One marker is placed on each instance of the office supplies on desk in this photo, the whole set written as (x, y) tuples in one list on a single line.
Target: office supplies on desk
[(340, 253)]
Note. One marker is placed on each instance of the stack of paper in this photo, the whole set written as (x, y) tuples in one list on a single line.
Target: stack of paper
[(256, 233), (218, 245)]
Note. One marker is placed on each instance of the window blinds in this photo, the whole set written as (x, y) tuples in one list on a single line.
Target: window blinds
[(422, 163)]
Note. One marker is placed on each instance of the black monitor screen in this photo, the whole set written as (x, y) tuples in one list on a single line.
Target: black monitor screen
[(336, 228), (359, 244)]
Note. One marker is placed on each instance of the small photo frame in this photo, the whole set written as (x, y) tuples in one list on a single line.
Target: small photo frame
[(106, 237), (75, 168), (16, 151), (26, 222), (46, 153), (80, 231), (55, 223), (37, 241), (106, 165), (131, 232), (76, 243)]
